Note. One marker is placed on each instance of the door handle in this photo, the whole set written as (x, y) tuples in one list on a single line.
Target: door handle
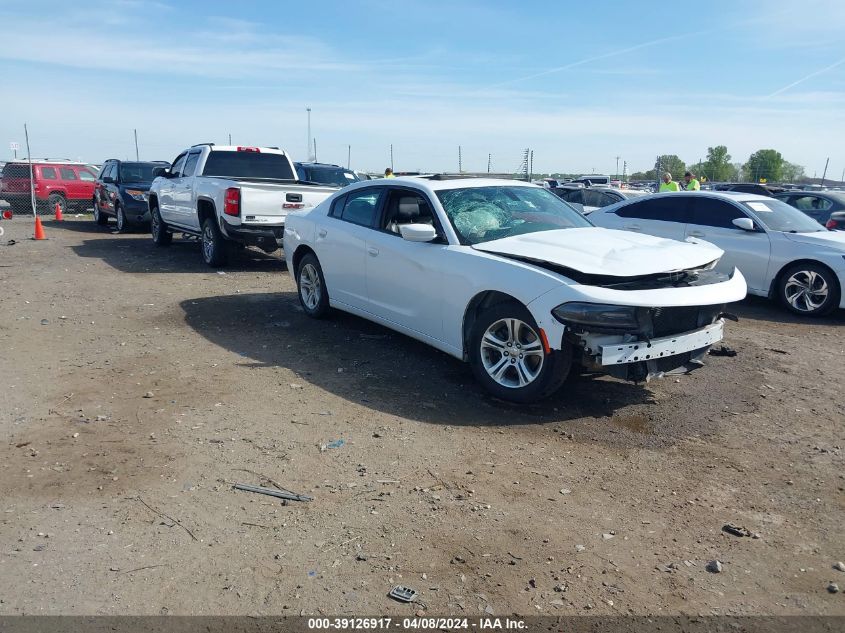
[(696, 234), (633, 227), (322, 233), (373, 251)]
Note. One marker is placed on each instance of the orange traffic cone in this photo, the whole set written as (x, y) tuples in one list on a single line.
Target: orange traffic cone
[(59, 216), (39, 230)]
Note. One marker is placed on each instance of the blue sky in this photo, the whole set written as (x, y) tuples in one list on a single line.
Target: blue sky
[(580, 83)]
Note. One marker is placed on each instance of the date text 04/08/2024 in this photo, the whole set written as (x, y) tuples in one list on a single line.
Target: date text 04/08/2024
[(416, 623)]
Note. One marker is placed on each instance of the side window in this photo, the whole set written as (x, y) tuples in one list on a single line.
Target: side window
[(608, 198), (48, 173), (594, 198), (178, 164), (191, 164), (712, 212), (808, 204), (669, 209), (86, 175), (405, 206), (67, 173), (360, 207), (337, 206), (574, 196)]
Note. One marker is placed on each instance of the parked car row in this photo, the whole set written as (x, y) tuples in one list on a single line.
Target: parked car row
[(65, 183)]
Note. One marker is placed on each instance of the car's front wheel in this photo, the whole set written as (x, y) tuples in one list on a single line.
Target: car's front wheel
[(509, 358), (809, 289), (311, 287), (158, 229)]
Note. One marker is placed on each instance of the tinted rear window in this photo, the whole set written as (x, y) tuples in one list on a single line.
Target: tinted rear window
[(671, 208), (16, 171), (137, 172), (248, 165), (335, 176)]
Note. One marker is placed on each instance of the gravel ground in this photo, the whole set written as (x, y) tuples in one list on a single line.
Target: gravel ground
[(139, 385)]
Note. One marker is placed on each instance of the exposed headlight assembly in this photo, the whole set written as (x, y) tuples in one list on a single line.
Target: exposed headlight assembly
[(598, 315), (140, 196)]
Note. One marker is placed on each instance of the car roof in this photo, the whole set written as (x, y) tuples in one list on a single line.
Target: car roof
[(730, 196)]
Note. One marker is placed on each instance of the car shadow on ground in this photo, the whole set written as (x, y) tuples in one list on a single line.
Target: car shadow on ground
[(762, 309), (366, 363), (135, 253)]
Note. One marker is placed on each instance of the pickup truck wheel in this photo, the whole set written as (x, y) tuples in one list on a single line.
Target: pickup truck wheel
[(214, 251), (122, 225), (312, 287), (56, 199), (508, 356), (158, 229)]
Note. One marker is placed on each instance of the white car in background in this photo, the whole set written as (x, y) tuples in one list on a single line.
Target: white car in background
[(783, 253), (505, 275)]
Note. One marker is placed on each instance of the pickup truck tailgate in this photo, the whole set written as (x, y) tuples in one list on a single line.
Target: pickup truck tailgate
[(268, 203)]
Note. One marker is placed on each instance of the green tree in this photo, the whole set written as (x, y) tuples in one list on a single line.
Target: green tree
[(643, 175), (792, 172), (718, 166), (764, 164), (672, 164)]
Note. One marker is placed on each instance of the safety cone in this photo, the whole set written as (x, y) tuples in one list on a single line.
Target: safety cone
[(59, 216), (39, 230)]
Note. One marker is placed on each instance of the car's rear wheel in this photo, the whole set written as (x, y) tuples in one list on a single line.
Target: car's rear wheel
[(214, 251), (311, 287), (509, 358), (122, 224), (809, 289), (56, 199), (158, 229)]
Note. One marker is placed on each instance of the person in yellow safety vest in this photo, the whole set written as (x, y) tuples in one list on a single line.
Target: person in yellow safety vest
[(388, 173), (668, 184), (692, 183)]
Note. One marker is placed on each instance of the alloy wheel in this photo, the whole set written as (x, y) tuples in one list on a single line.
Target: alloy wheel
[(155, 225), (512, 353), (208, 242), (806, 291), (310, 287)]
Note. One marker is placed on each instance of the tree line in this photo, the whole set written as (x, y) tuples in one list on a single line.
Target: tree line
[(764, 165)]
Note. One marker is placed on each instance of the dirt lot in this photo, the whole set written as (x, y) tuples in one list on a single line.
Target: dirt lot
[(138, 385)]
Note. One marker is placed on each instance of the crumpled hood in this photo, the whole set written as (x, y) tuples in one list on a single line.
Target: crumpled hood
[(599, 251), (830, 239)]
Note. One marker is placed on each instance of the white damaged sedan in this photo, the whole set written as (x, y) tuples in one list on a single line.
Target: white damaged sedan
[(507, 276)]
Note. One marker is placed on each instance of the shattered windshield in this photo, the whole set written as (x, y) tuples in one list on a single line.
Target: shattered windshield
[(483, 214)]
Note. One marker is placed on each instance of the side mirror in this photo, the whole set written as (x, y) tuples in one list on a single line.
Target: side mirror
[(159, 172), (418, 232), (108, 180), (746, 224)]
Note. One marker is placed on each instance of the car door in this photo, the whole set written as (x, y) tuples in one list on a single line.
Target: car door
[(70, 182), (167, 189), (404, 279), (106, 190), (341, 241), (664, 216), (87, 182), (183, 192), (712, 220)]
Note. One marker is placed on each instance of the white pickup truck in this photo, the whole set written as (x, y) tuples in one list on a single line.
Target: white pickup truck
[(224, 194)]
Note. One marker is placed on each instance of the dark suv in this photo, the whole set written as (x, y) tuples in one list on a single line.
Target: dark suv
[(326, 174), (122, 190)]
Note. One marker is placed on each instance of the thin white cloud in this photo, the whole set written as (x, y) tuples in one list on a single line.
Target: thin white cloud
[(815, 73)]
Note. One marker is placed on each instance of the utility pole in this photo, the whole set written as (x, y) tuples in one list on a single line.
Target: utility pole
[(531, 167), (136, 145), (460, 162), (308, 154), (842, 177), (315, 150), (31, 177), (391, 157), (624, 171), (230, 138), (617, 167), (825, 169), (490, 163), (348, 156)]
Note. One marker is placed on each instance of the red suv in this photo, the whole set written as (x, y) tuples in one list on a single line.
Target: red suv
[(70, 185)]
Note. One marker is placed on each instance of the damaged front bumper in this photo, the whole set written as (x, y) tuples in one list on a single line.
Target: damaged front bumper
[(646, 359)]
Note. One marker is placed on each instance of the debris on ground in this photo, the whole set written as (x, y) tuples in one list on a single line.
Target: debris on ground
[(723, 350), (281, 494), (833, 588), (149, 394), (714, 567), (840, 566), (403, 594), (739, 531), (332, 444)]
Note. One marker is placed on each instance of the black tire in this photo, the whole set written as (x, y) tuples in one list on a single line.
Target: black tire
[(311, 287), (809, 289), (120, 215), (158, 229), (214, 248), (56, 199), (525, 372), (99, 217)]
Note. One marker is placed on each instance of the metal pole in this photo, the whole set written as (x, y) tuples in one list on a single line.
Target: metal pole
[(489, 162), (308, 153), (230, 139), (391, 157), (349, 157), (617, 167), (531, 168), (136, 145), (29, 160), (315, 150), (825, 169), (460, 163), (842, 178)]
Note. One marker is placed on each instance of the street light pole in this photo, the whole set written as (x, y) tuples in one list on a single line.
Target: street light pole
[(617, 167), (308, 154)]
